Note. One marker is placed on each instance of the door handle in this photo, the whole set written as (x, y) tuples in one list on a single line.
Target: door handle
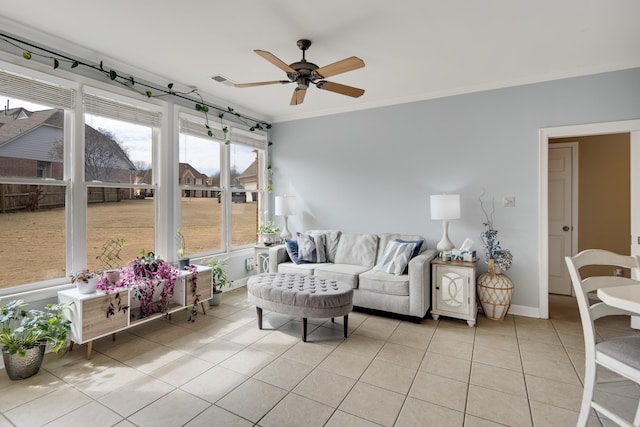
[(565, 228)]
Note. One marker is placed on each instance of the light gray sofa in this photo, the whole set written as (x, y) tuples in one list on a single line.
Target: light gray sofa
[(351, 258)]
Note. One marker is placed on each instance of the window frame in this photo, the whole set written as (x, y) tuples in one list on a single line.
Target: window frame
[(165, 174), (236, 134)]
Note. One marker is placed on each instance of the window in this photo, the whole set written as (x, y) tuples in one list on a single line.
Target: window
[(119, 171), (220, 185), (200, 189), (43, 170), (245, 184), (32, 209)]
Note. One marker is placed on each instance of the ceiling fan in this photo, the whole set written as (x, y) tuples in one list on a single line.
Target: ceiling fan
[(306, 73)]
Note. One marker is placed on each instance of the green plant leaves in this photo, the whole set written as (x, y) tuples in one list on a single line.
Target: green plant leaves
[(26, 54)]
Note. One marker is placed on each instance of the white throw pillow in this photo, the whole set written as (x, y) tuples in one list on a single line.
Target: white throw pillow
[(396, 257), (311, 248)]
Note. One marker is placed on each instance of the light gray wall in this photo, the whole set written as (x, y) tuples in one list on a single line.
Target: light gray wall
[(373, 170)]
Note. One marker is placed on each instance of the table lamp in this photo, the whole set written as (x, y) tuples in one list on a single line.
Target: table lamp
[(445, 207), (285, 206)]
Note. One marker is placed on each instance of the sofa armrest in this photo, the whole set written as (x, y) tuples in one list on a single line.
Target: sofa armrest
[(277, 255), (420, 283)]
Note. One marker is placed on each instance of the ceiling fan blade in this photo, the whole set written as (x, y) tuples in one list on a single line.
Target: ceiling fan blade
[(272, 82), (298, 96), (343, 66), (275, 60), (341, 89)]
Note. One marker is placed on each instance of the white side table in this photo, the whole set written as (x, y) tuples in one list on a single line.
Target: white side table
[(453, 290), (261, 258)]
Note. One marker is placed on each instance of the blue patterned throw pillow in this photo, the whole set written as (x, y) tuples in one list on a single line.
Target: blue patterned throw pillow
[(292, 250), (396, 257)]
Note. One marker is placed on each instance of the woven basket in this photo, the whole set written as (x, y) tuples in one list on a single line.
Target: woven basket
[(495, 292)]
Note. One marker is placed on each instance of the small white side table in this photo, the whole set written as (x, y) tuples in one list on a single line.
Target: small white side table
[(453, 290), (261, 258)]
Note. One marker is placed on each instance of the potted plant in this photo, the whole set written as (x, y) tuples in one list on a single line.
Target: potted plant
[(152, 280), (24, 335), (219, 279), (269, 233), (183, 257), (86, 280)]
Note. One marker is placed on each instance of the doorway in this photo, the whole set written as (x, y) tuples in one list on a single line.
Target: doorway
[(603, 211), (572, 132)]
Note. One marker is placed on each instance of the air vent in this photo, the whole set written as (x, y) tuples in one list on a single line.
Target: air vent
[(222, 79)]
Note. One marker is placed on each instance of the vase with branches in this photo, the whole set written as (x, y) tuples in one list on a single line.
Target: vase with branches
[(495, 289), (493, 251)]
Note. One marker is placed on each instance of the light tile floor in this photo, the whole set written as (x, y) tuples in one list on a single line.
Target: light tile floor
[(223, 371)]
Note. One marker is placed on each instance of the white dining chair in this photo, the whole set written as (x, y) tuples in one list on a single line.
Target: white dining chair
[(621, 354)]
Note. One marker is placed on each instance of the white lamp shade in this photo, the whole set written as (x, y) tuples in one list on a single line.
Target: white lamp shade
[(285, 205), (445, 206)]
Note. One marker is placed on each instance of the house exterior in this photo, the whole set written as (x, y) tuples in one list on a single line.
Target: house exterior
[(27, 143), (190, 176), (31, 147), (249, 180)]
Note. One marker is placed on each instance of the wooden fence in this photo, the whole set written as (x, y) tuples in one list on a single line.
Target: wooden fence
[(16, 197)]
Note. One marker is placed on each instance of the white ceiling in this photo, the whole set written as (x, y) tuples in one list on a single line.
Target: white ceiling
[(413, 49)]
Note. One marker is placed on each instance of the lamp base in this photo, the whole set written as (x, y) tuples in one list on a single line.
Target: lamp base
[(445, 244), (285, 234)]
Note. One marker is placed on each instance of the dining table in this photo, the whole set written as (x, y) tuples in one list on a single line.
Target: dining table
[(626, 297)]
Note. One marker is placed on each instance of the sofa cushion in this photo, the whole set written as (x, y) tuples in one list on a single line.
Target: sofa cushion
[(396, 257), (311, 247), (292, 268), (346, 273), (357, 249), (384, 283), (331, 239)]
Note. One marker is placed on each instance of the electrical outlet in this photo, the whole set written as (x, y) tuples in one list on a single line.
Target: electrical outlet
[(509, 202), (248, 264)]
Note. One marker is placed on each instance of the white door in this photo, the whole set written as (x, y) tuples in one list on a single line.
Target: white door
[(560, 217)]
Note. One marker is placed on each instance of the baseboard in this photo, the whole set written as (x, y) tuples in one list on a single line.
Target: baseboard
[(523, 310)]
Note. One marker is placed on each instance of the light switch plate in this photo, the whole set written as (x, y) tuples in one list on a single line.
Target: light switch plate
[(509, 201)]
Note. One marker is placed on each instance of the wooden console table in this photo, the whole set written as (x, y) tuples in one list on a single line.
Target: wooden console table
[(88, 313)]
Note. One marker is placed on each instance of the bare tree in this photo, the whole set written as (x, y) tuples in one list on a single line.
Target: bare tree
[(141, 165), (103, 153)]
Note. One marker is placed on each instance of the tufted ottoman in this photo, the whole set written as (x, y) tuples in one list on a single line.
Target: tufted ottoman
[(302, 296)]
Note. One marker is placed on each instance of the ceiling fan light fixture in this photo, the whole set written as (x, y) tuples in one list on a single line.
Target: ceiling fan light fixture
[(305, 73)]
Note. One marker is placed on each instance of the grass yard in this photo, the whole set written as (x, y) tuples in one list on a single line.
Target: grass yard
[(33, 243)]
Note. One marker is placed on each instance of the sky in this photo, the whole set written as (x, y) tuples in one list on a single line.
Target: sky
[(201, 153)]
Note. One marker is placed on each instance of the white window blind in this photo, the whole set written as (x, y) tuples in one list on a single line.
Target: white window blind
[(189, 127), (252, 139), (105, 107), (36, 91), (236, 135)]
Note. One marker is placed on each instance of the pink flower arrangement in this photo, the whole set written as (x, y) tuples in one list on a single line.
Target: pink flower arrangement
[(143, 275)]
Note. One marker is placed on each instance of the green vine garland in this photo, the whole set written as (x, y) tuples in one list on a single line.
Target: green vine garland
[(130, 82), (148, 90)]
